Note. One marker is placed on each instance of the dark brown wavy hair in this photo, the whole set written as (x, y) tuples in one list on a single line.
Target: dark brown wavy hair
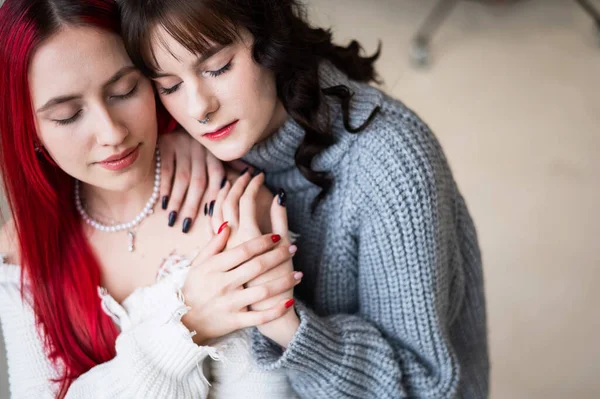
[(284, 42)]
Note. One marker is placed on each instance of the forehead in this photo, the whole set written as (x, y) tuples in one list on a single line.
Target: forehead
[(74, 60), (168, 51)]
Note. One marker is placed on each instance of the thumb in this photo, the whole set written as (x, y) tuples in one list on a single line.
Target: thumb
[(279, 220)]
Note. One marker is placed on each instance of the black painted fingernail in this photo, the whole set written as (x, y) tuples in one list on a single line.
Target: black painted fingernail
[(257, 172), (165, 202), (243, 171), (187, 224), (281, 197), (172, 218), (223, 182), (206, 209), (211, 208)]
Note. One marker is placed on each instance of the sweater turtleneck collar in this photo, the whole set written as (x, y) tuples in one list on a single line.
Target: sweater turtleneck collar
[(276, 153)]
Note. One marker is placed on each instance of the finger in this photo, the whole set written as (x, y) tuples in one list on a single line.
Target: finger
[(216, 171), (231, 204), (234, 257), (256, 318), (167, 170), (279, 220), (217, 212), (248, 201), (239, 165), (183, 169), (250, 296), (215, 246), (195, 191), (260, 265)]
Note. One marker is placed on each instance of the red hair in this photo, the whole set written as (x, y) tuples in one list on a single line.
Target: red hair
[(60, 266)]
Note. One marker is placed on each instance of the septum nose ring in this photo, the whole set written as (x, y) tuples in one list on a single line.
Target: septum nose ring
[(205, 121)]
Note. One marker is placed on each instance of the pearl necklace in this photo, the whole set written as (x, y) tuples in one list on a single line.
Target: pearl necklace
[(148, 210)]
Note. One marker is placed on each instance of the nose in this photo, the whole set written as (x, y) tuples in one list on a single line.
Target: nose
[(201, 101), (109, 130)]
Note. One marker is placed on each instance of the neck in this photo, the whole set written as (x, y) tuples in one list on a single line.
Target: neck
[(110, 207), (280, 115)]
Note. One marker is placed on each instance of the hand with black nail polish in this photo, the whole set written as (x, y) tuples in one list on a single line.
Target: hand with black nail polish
[(172, 218), (187, 224), (281, 197)]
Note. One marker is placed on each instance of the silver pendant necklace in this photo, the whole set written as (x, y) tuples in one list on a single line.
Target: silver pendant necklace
[(131, 225)]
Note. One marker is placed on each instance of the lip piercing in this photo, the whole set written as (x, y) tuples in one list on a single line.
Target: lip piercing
[(205, 121)]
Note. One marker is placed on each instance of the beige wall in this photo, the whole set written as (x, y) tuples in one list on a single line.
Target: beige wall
[(513, 97)]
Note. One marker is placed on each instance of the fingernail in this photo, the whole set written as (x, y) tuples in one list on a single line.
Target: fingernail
[(172, 218), (293, 249), (187, 224), (298, 275), (206, 209), (165, 202), (211, 208), (256, 172), (243, 171), (275, 238), (290, 303), (281, 197), (222, 227), (223, 182)]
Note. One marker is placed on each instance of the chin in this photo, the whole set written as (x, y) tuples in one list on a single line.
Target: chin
[(227, 152)]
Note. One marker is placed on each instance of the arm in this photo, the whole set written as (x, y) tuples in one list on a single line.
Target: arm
[(397, 344), (29, 371), (155, 359)]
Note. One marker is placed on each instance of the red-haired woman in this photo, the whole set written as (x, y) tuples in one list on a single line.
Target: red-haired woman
[(84, 298)]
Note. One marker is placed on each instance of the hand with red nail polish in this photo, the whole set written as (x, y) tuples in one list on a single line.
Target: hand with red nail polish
[(246, 211), (214, 287)]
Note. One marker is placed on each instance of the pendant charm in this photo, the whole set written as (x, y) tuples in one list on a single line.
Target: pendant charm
[(131, 235)]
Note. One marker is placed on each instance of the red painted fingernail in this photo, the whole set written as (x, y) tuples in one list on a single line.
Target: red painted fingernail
[(290, 303), (276, 238), (222, 227)]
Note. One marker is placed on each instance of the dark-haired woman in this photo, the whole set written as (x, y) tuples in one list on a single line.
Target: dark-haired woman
[(392, 303)]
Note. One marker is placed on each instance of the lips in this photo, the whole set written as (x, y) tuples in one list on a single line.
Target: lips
[(122, 160), (120, 156), (221, 133)]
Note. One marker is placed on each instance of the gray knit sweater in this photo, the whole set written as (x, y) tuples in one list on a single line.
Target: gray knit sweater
[(392, 303)]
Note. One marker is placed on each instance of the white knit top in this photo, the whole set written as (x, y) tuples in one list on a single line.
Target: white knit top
[(156, 356)]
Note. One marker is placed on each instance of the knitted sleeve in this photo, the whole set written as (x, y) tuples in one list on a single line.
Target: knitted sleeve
[(156, 358), (397, 344)]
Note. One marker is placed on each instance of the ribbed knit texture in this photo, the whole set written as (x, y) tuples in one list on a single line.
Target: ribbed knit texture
[(392, 301)]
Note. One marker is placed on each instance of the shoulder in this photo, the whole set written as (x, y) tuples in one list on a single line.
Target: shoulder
[(399, 147)]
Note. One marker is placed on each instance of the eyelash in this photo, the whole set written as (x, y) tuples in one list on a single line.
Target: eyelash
[(63, 122), (72, 119), (214, 74)]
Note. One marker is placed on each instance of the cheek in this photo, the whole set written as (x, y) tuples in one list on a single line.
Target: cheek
[(141, 114), (175, 105), (67, 147)]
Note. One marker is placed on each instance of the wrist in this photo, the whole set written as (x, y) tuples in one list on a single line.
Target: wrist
[(283, 329)]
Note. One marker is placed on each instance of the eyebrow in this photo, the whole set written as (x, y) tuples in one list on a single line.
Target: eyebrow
[(202, 58), (63, 99)]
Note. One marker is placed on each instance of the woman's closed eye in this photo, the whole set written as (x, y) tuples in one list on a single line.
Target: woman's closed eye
[(67, 121), (221, 71), (166, 91), (170, 90), (127, 95)]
